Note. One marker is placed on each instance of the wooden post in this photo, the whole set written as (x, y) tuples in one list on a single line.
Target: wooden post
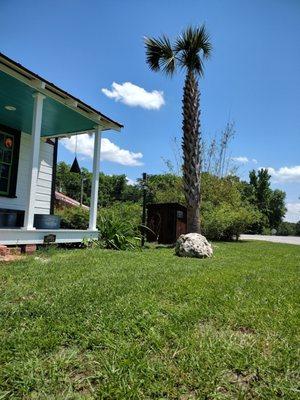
[(144, 208), (81, 188), (34, 159), (95, 181)]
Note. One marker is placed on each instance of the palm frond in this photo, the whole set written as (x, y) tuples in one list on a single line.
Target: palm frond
[(191, 46), (160, 55)]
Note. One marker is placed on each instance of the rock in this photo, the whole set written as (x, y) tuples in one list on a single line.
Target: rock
[(193, 245)]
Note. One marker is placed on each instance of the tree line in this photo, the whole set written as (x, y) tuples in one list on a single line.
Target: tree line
[(226, 201)]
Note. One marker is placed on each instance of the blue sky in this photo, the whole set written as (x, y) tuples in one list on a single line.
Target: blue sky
[(253, 76)]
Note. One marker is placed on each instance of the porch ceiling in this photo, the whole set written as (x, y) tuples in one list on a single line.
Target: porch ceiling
[(58, 119)]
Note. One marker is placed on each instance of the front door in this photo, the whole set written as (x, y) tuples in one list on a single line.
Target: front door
[(9, 160)]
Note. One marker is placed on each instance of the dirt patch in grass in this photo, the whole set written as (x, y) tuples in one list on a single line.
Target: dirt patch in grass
[(188, 396), (241, 379), (22, 299), (245, 330), (238, 383), (10, 258)]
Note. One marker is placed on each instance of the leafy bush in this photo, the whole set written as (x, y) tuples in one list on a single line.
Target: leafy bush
[(118, 224), (266, 231), (297, 228), (118, 234), (287, 229), (73, 218), (164, 188), (224, 214), (130, 212), (225, 222), (218, 191)]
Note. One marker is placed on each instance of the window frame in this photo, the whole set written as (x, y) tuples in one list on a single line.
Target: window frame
[(15, 160)]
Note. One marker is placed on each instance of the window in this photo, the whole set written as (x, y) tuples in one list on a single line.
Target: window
[(9, 158)]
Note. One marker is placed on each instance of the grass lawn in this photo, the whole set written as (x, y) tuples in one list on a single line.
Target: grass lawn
[(97, 324)]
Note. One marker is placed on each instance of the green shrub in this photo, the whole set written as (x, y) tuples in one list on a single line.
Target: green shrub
[(287, 229), (130, 212), (164, 188), (118, 224), (73, 218), (266, 231), (224, 213), (297, 228), (225, 222), (118, 234)]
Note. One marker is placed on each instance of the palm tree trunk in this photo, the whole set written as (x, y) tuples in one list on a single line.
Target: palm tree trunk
[(191, 151)]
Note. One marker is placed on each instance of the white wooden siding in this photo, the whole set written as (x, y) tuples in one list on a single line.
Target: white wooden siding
[(43, 192)]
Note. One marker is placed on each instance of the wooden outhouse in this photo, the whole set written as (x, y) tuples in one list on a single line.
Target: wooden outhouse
[(167, 221)]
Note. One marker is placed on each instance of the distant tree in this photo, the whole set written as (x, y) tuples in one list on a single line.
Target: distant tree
[(70, 183), (270, 203), (277, 208), (297, 228), (112, 188), (164, 188), (261, 184), (132, 193), (188, 53), (224, 211), (119, 183), (217, 190), (286, 229)]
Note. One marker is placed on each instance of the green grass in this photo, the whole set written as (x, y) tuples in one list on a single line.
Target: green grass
[(96, 324)]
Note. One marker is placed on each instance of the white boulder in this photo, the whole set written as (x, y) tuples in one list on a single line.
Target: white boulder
[(193, 245)]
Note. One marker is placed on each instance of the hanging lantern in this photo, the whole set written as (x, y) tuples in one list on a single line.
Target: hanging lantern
[(75, 166)]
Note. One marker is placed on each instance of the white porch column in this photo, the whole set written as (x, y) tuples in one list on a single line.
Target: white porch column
[(95, 182), (34, 160)]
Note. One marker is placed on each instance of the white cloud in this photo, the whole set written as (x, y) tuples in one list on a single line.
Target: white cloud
[(244, 160), (285, 174), (293, 212), (241, 159), (109, 151), (135, 96)]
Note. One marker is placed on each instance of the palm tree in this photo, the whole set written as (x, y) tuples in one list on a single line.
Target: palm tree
[(187, 52)]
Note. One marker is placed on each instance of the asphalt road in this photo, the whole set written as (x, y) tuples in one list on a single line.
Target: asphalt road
[(275, 239)]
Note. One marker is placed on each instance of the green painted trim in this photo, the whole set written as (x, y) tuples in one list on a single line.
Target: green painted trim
[(58, 119), (49, 85)]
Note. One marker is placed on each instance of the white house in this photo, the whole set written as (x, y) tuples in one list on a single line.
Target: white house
[(33, 113)]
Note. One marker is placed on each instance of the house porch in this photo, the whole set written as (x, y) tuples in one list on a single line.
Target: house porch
[(37, 108), (18, 236)]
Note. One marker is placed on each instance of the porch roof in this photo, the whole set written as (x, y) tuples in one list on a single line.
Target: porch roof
[(63, 114)]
